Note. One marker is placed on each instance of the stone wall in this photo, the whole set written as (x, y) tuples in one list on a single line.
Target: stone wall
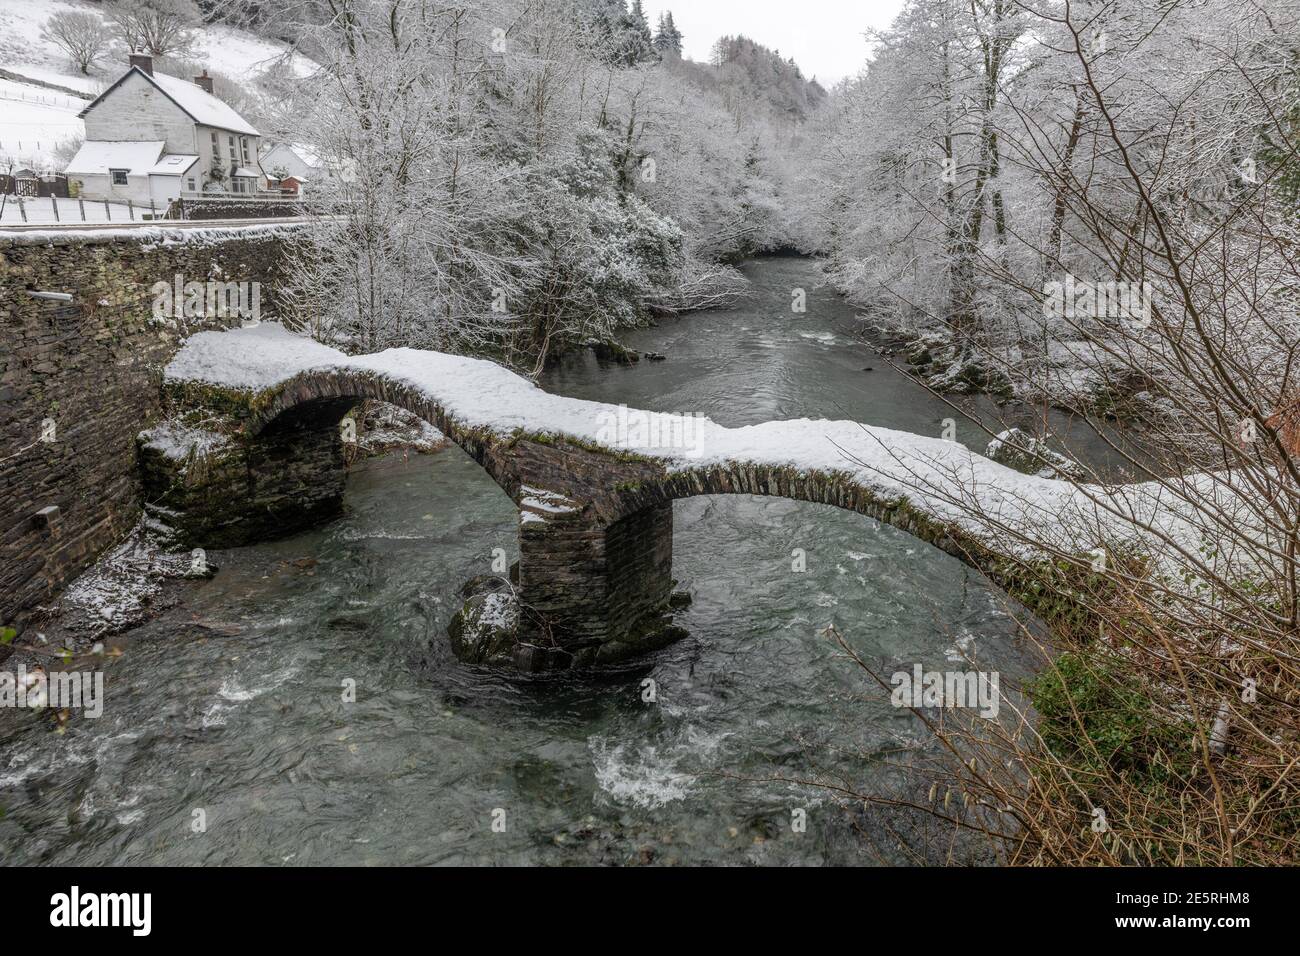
[(80, 379), (234, 208)]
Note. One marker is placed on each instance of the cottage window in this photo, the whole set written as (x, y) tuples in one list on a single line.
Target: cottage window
[(234, 158), (118, 176), (190, 184), (243, 146), (216, 145)]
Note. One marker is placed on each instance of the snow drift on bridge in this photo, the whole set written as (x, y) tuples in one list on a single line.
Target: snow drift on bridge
[(941, 480)]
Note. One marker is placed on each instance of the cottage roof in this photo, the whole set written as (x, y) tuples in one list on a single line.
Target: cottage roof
[(174, 164), (198, 104), (99, 156)]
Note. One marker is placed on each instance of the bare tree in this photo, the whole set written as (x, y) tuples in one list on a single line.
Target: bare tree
[(1166, 721), (82, 36), (157, 27)]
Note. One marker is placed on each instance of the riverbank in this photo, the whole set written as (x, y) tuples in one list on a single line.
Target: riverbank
[(145, 575), (1074, 376)]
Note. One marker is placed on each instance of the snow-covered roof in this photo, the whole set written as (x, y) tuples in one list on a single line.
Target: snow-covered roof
[(245, 171), (308, 155), (99, 156), (200, 105), (174, 164)]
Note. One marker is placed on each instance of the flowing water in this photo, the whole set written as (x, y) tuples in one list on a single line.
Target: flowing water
[(228, 710)]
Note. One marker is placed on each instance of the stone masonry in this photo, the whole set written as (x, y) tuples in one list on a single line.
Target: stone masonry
[(79, 379), (594, 582)]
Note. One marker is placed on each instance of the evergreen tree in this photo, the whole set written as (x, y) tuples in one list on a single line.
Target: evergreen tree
[(668, 39), (638, 26), (621, 38)]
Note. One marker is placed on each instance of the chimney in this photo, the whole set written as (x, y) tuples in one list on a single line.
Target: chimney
[(204, 82), (145, 63)]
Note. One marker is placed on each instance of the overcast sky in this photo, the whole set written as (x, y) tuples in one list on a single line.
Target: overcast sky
[(823, 36)]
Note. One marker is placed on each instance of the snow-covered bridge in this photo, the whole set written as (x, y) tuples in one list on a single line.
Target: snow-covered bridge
[(595, 482)]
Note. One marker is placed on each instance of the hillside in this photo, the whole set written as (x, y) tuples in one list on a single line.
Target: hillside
[(39, 86), (750, 76)]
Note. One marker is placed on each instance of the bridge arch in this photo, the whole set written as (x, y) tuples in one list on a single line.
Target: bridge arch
[(649, 485), (330, 393), (596, 511), (835, 489)]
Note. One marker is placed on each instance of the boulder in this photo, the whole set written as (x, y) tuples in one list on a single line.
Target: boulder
[(1020, 450), (486, 629)]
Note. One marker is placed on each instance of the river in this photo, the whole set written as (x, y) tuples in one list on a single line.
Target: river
[(227, 710)]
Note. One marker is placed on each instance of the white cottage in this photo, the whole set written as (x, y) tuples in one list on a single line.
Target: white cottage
[(292, 160), (150, 137), (300, 164)]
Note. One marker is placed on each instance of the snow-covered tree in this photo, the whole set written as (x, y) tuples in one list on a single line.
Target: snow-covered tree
[(83, 36), (509, 187), (619, 36), (667, 38), (157, 27)]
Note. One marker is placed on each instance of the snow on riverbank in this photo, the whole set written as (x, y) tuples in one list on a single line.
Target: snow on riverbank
[(124, 587)]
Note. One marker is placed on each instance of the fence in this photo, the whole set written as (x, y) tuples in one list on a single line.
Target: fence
[(52, 205), (34, 187), (59, 208)]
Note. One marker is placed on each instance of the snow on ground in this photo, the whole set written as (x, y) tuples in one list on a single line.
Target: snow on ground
[(33, 122), (91, 86), (20, 32), (237, 53), (941, 479), (33, 119), (43, 210)]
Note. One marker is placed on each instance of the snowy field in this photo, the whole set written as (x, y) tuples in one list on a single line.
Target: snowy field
[(43, 210), (33, 122)]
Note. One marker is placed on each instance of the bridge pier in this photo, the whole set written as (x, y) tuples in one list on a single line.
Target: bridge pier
[(593, 592)]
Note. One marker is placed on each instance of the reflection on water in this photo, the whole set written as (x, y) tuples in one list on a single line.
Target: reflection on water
[(232, 703)]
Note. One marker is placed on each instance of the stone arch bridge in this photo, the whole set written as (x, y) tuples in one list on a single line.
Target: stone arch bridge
[(254, 447)]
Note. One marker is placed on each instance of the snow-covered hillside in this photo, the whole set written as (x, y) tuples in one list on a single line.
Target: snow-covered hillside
[(35, 119)]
